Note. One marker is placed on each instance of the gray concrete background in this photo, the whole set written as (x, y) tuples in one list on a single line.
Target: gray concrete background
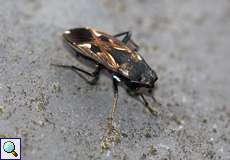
[(186, 42)]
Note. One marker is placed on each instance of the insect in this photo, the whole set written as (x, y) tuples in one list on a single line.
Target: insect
[(118, 57)]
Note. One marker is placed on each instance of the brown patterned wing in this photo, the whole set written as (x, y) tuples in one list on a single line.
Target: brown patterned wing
[(98, 54), (101, 47), (87, 43)]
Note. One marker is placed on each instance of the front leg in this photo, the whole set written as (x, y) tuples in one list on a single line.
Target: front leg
[(151, 109)]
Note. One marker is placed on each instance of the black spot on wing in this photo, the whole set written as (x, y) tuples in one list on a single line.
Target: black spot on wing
[(79, 35), (95, 48)]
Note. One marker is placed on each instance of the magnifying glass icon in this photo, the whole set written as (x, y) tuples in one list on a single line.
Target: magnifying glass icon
[(9, 147)]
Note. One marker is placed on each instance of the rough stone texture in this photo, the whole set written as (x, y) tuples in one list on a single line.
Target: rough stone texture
[(59, 116)]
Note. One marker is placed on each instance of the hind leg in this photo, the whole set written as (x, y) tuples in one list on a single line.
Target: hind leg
[(127, 40), (95, 74)]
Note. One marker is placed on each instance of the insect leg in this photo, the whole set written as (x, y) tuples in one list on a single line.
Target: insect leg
[(148, 106), (94, 74), (127, 40), (127, 37), (111, 114), (127, 33)]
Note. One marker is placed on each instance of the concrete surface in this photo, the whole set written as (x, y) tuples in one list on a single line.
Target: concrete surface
[(59, 116)]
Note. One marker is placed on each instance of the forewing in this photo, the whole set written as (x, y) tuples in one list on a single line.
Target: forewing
[(123, 55), (102, 48), (99, 54)]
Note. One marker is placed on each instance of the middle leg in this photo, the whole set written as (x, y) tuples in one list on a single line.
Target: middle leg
[(111, 114)]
